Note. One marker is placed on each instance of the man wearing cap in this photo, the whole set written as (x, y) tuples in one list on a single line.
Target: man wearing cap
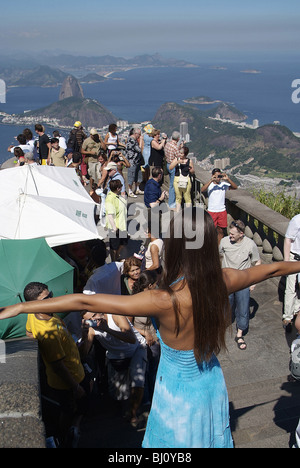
[(76, 137), (113, 174), (239, 252), (90, 150)]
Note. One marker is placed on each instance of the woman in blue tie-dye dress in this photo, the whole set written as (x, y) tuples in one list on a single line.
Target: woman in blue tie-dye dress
[(190, 405)]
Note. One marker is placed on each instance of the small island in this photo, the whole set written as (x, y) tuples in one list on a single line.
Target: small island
[(218, 68), (199, 100), (254, 72)]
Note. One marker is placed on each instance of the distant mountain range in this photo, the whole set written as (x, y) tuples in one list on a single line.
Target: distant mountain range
[(42, 76), (51, 70)]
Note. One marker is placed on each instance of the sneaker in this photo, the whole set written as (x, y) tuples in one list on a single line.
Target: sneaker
[(132, 195), (139, 192)]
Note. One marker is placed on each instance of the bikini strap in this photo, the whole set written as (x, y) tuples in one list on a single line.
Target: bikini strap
[(177, 281)]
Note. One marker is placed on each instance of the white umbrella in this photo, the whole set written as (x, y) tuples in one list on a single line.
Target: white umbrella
[(45, 201)]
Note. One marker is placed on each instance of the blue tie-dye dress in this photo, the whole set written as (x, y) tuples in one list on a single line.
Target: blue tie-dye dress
[(190, 403)]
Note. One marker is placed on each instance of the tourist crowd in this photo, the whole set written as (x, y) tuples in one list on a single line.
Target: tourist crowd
[(118, 354)]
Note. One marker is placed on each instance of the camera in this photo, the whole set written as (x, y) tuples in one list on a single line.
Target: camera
[(220, 176), (91, 323)]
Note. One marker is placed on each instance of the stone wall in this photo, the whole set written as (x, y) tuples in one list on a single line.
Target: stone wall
[(21, 425)]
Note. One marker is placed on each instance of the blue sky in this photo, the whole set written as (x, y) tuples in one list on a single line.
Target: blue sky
[(182, 29)]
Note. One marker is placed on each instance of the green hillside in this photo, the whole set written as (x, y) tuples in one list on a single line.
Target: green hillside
[(272, 148), (42, 76), (67, 111)]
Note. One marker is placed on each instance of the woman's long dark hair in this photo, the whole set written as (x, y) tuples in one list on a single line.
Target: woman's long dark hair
[(201, 269)]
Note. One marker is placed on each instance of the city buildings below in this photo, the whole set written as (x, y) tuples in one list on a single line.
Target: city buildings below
[(122, 124), (222, 163), (184, 132)]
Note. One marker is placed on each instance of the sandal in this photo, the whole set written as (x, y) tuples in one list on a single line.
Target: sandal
[(240, 343)]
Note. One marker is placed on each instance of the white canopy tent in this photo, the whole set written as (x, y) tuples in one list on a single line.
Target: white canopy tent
[(45, 201)]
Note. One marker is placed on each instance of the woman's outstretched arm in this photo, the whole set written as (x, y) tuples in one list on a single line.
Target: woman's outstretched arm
[(236, 280), (148, 303)]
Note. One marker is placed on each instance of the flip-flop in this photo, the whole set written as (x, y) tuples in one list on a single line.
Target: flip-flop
[(240, 343)]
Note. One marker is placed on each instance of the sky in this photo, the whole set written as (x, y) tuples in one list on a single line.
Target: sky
[(184, 29)]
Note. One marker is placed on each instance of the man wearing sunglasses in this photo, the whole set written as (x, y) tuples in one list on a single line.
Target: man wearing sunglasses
[(216, 189), (66, 380)]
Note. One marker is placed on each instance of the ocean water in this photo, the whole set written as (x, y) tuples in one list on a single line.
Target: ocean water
[(137, 94)]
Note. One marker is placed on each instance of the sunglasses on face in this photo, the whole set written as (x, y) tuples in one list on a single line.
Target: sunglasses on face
[(50, 295), (237, 226)]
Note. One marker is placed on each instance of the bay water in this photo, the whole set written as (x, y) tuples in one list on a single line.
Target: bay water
[(262, 91)]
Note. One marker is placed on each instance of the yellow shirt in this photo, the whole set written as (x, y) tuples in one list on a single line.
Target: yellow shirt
[(116, 206), (55, 344)]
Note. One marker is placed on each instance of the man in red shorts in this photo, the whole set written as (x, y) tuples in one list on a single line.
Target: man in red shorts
[(216, 189)]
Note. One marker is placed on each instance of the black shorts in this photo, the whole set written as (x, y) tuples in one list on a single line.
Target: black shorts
[(68, 404), (116, 239)]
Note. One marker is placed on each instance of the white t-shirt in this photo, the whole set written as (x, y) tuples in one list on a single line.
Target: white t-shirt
[(293, 233), (216, 196), (25, 148), (62, 142)]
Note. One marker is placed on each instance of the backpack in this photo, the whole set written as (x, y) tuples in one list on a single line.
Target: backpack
[(295, 359), (72, 141)]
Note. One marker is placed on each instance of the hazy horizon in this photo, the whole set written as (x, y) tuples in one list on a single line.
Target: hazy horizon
[(195, 30)]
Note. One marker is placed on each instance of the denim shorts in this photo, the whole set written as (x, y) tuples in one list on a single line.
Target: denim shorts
[(134, 174)]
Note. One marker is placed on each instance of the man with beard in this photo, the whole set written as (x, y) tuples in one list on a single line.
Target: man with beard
[(91, 149)]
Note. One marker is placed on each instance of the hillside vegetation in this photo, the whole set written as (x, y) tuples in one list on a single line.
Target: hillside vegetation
[(271, 148), (67, 111)]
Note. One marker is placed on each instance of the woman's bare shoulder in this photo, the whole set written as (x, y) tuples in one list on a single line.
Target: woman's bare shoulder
[(161, 298)]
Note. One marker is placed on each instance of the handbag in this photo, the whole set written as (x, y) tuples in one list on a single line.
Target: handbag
[(183, 180)]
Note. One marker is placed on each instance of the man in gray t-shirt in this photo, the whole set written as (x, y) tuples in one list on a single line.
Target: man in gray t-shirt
[(239, 252)]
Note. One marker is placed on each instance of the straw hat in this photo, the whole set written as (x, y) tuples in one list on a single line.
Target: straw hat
[(149, 128)]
